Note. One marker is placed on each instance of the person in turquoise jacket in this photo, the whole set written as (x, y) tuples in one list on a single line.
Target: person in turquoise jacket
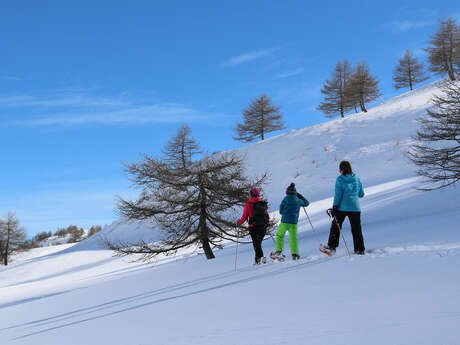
[(348, 191), (289, 210)]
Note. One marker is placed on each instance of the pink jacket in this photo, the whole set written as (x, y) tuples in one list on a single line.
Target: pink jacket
[(247, 212)]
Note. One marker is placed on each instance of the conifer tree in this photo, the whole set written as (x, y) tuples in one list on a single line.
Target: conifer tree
[(259, 118), (408, 72), (12, 236), (363, 87), (444, 50), (181, 148), (334, 90), (196, 205), (437, 151)]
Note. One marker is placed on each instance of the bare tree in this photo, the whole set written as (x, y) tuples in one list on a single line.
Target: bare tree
[(437, 152), (444, 52), (408, 72), (363, 87), (194, 206), (335, 100), (12, 236), (259, 118)]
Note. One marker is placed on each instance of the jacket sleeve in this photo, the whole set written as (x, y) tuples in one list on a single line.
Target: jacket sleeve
[(282, 206), (303, 202), (338, 195), (245, 214), (361, 189)]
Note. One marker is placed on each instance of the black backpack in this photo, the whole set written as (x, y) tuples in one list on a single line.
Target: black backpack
[(259, 214)]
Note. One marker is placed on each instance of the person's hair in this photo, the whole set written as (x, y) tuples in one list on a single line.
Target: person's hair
[(345, 167)]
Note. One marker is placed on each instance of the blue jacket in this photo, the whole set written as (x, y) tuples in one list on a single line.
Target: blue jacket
[(348, 188), (290, 207)]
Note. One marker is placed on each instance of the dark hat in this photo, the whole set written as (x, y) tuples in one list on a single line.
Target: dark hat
[(291, 189)]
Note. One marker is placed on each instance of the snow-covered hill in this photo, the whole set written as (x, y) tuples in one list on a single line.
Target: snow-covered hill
[(404, 291)]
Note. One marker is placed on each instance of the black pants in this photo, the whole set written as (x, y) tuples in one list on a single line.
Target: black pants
[(355, 221), (257, 234)]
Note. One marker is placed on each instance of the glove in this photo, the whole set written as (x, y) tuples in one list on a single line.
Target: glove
[(300, 196), (334, 210)]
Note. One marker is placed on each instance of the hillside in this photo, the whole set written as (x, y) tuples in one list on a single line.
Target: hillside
[(404, 291)]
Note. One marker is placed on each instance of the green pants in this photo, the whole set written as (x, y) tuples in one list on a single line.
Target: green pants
[(293, 242)]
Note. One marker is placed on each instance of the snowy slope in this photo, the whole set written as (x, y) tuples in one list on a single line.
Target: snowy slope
[(404, 291)]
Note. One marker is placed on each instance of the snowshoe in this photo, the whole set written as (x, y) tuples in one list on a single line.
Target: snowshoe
[(261, 261), (277, 256), (326, 250)]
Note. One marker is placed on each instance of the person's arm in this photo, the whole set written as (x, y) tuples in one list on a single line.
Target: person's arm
[(245, 214), (282, 206), (338, 195), (361, 189), (303, 201)]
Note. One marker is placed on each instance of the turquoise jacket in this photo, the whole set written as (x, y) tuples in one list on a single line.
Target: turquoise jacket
[(290, 207), (348, 188)]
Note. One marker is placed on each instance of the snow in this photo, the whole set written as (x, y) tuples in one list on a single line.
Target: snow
[(405, 290)]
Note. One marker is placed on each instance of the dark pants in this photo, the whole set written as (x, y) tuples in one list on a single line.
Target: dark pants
[(355, 221), (257, 234)]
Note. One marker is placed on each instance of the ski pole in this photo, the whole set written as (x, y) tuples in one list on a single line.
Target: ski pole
[(341, 233), (311, 224), (236, 251)]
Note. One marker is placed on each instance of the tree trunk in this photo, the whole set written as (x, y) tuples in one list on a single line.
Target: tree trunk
[(451, 74), (362, 105), (207, 248), (204, 232), (410, 79), (262, 127)]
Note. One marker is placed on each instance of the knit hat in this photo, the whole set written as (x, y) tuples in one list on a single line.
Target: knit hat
[(255, 192), (291, 189)]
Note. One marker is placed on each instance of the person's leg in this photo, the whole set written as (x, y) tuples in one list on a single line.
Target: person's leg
[(334, 234), (358, 240), (293, 241), (255, 243), (280, 236)]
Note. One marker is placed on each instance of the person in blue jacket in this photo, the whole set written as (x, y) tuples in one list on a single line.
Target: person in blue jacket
[(348, 190), (289, 210)]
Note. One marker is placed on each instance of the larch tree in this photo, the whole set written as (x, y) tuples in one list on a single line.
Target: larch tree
[(444, 49), (12, 236), (437, 148), (408, 72), (336, 100), (259, 118), (363, 87), (181, 148), (193, 206)]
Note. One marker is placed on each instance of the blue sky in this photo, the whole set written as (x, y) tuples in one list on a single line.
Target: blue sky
[(86, 85)]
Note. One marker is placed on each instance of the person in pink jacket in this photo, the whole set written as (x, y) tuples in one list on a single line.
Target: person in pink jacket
[(256, 213)]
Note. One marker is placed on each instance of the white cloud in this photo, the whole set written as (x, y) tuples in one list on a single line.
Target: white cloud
[(79, 109), (407, 25), (133, 115), (9, 77), (289, 73), (247, 57), (67, 101)]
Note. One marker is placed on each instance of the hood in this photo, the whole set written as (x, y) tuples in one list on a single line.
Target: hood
[(348, 178)]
